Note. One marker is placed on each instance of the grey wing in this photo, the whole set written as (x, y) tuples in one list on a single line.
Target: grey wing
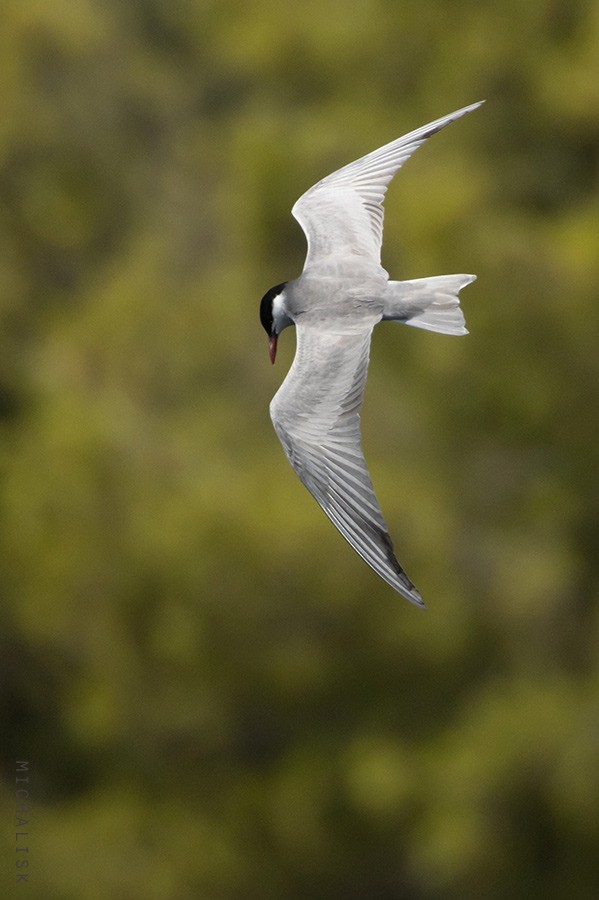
[(343, 213), (316, 416)]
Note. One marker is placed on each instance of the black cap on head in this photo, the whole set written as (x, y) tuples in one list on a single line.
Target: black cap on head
[(266, 307)]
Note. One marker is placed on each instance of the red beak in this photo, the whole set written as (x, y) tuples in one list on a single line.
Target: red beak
[(272, 347)]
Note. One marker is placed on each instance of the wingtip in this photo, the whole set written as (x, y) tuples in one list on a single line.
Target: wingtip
[(426, 131), (472, 106), (467, 109), (408, 590), (417, 599)]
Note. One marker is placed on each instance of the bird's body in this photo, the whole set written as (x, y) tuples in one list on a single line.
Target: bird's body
[(342, 293)]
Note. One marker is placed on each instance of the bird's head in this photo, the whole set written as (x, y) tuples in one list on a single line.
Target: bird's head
[(273, 316)]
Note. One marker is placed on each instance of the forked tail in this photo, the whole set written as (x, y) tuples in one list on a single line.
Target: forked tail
[(429, 303)]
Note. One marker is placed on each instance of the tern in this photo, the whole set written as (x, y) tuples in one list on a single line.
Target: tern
[(341, 294)]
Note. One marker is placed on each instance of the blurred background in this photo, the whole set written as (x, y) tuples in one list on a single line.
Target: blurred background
[(216, 697)]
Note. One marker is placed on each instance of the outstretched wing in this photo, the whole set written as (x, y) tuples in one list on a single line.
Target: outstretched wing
[(343, 213), (316, 416)]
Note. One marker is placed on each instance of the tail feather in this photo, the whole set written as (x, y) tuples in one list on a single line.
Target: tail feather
[(429, 303)]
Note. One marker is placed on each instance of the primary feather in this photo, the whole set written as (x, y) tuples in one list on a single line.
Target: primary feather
[(324, 447), (344, 211)]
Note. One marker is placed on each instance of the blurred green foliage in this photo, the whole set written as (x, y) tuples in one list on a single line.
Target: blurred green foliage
[(217, 698)]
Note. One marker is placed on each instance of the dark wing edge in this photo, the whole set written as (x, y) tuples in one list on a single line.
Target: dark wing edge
[(337, 478)]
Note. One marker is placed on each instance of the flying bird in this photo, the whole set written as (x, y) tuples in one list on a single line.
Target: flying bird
[(341, 294)]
